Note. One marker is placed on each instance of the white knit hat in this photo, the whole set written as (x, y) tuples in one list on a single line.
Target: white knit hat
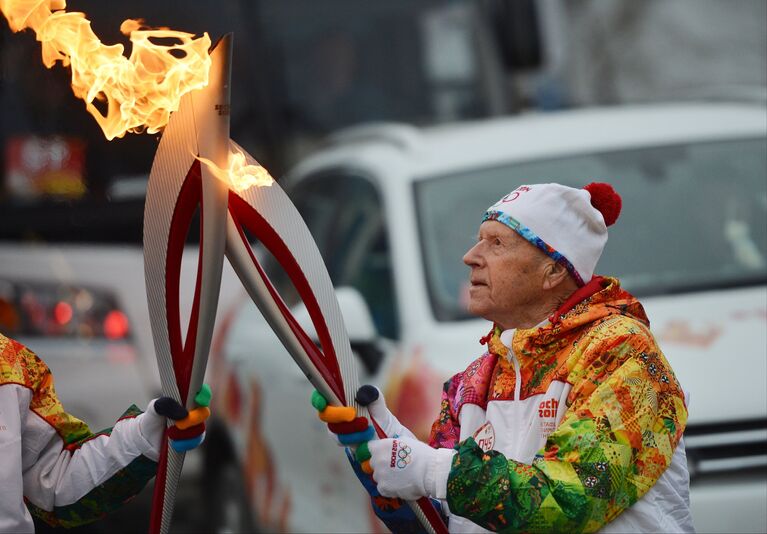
[(569, 225)]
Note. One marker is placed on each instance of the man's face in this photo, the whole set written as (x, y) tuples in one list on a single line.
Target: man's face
[(505, 275)]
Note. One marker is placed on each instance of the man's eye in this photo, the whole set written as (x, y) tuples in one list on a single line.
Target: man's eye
[(497, 242)]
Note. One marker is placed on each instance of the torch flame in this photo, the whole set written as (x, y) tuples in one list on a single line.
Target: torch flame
[(239, 174), (138, 92)]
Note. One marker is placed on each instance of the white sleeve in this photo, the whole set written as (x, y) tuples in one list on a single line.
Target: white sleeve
[(68, 475), (56, 475), (14, 516)]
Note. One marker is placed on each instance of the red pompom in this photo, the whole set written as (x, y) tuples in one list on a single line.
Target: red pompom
[(606, 200)]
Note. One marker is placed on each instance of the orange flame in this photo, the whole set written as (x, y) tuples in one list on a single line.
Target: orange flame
[(239, 174), (139, 92)]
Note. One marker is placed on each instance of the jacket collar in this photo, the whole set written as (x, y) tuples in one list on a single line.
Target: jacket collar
[(598, 299)]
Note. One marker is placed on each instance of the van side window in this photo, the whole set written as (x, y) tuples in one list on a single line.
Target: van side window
[(345, 215)]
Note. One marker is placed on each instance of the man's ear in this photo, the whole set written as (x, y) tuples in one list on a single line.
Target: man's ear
[(554, 274)]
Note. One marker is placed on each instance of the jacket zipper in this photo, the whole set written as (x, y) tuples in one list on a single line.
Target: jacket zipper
[(509, 335), (517, 374)]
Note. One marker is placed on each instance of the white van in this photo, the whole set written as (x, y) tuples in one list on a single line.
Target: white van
[(393, 208)]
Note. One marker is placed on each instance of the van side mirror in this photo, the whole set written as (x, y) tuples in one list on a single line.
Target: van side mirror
[(363, 335), (362, 332), (356, 314)]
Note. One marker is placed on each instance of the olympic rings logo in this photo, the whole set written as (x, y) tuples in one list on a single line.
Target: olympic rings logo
[(404, 456), (514, 195)]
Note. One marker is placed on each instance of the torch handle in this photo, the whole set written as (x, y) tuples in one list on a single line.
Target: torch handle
[(211, 111)]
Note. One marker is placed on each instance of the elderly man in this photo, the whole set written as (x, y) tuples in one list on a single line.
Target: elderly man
[(572, 420)]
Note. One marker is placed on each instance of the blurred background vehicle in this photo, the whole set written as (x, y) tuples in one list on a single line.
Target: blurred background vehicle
[(71, 277), (393, 208)]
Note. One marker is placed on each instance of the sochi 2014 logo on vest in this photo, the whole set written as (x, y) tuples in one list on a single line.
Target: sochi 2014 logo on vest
[(547, 414)]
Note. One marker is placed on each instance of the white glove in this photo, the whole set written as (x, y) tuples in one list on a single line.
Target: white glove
[(187, 432), (409, 469), (386, 420), (151, 427)]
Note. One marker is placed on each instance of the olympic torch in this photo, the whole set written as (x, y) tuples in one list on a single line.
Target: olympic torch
[(178, 185)]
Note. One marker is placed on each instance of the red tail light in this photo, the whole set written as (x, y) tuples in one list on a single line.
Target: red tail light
[(115, 325), (62, 313)]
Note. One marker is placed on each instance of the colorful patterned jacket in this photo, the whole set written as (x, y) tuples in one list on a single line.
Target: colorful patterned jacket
[(51, 461), (572, 426)]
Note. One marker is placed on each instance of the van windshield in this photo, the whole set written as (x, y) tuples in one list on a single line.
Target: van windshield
[(694, 216)]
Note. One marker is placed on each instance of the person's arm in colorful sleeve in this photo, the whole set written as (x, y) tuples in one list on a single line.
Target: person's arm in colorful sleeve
[(404, 467), (75, 483), (446, 429), (70, 476), (609, 450)]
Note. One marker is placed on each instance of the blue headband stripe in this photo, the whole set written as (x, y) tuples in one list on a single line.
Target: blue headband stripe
[(529, 236)]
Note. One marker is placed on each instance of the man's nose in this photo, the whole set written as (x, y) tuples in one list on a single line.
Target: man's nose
[(472, 256)]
